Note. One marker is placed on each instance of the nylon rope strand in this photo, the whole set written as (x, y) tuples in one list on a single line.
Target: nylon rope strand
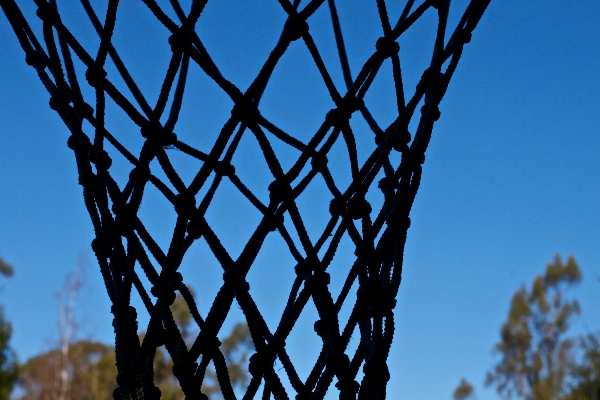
[(124, 249)]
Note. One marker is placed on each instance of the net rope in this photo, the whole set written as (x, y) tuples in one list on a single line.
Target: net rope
[(124, 248)]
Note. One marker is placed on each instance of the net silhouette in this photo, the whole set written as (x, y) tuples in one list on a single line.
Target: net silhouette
[(124, 248)]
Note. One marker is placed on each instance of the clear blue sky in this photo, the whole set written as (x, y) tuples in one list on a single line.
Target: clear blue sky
[(511, 176)]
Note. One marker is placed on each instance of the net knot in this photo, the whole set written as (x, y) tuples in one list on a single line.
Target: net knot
[(100, 158), (224, 168), (87, 179), (399, 139), (337, 206), (433, 78), (358, 207), (128, 379), (234, 277), (279, 191), (320, 328), (185, 204), (388, 303), (381, 137), (386, 47), (319, 161), (418, 159), (354, 103), (35, 59), (102, 247), (295, 27), (303, 269), (432, 110), (142, 172), (338, 361), (124, 316), (58, 100), (318, 281), (338, 118), (245, 111), (179, 41), (169, 139), (125, 312), (152, 393), (176, 279), (95, 76), (164, 292), (72, 142), (47, 12), (349, 386), (157, 136), (377, 368), (84, 110), (387, 183), (398, 221), (151, 131), (257, 363), (275, 222), (183, 366), (194, 229)]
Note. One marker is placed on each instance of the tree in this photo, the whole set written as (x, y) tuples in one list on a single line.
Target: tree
[(85, 370), (464, 391), (6, 269), (72, 370), (586, 376), (9, 368), (536, 356), (91, 373)]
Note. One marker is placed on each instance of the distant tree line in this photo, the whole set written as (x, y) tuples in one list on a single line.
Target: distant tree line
[(86, 369), (92, 370)]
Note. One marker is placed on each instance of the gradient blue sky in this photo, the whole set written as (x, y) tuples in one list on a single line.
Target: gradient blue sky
[(511, 176)]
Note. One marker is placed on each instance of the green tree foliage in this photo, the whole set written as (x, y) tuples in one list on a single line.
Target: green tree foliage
[(538, 360), (587, 374), (9, 369), (6, 269), (92, 370), (92, 373), (536, 355), (464, 391)]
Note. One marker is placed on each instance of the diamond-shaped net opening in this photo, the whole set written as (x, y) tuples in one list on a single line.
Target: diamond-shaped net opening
[(310, 208)]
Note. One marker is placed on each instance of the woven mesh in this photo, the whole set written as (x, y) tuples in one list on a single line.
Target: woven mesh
[(124, 248)]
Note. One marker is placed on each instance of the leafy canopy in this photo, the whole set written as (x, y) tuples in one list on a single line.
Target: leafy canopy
[(536, 354), (9, 368)]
